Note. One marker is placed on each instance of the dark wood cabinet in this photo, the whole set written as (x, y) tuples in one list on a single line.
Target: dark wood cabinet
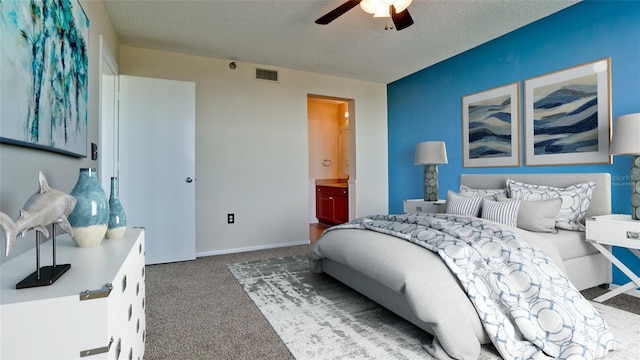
[(332, 204)]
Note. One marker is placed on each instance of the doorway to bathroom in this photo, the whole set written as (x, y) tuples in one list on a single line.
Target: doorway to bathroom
[(331, 161)]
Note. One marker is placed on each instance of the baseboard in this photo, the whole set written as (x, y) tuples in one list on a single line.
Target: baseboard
[(252, 248), (635, 292)]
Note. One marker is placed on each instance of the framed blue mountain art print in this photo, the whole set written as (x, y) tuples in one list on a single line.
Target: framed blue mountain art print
[(568, 116), (491, 127)]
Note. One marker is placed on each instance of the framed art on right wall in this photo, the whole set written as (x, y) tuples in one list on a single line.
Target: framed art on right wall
[(568, 116)]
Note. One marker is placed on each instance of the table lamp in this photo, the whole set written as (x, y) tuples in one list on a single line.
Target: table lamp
[(430, 154), (626, 141)]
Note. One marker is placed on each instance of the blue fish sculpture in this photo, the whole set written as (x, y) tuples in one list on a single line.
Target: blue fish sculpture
[(47, 206)]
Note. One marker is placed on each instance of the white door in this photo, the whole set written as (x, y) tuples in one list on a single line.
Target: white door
[(108, 154), (157, 164)]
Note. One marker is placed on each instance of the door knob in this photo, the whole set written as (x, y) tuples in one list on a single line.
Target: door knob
[(189, 180)]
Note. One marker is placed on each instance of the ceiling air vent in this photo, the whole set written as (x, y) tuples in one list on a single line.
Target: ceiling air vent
[(266, 75)]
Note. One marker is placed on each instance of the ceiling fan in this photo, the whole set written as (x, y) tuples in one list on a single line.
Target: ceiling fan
[(396, 9)]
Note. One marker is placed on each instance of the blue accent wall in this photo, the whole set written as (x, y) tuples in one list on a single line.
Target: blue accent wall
[(427, 105)]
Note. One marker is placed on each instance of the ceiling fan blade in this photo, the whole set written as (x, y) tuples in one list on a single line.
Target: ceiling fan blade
[(337, 12), (401, 20)]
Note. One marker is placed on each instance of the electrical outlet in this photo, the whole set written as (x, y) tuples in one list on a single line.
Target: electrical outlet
[(231, 218)]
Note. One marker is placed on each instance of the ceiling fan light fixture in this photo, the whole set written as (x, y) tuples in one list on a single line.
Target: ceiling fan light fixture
[(368, 6), (395, 9), (401, 5), (380, 8)]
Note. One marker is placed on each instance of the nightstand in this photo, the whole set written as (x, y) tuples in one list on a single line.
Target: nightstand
[(615, 230), (413, 205)]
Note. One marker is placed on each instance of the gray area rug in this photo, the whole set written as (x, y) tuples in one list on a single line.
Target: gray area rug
[(318, 317)]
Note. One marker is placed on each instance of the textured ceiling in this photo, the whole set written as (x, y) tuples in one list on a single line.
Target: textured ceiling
[(282, 33)]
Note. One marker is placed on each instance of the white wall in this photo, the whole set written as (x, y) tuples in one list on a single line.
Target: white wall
[(252, 146), (19, 166)]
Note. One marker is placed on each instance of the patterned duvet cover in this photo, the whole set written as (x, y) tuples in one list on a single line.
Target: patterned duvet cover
[(527, 306)]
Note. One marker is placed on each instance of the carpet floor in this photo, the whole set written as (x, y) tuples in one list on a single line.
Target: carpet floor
[(198, 310)]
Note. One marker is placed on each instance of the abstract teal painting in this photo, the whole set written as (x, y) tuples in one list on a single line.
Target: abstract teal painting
[(44, 58)]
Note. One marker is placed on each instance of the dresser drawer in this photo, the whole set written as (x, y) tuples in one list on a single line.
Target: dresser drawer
[(126, 286), (332, 190), (127, 317), (416, 205), (614, 230), (129, 338)]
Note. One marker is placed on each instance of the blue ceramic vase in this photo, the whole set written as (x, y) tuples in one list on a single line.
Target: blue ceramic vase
[(90, 218), (117, 217)]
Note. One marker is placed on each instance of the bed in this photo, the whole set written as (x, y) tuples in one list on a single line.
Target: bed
[(417, 285)]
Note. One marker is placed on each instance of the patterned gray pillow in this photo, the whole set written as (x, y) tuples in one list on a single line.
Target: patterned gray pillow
[(470, 192), (575, 200), (537, 215)]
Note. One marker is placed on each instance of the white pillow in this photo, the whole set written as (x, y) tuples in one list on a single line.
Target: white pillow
[(502, 212), (494, 193), (463, 205), (575, 200)]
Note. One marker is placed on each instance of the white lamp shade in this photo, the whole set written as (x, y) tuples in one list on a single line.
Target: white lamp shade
[(626, 135), (430, 152)]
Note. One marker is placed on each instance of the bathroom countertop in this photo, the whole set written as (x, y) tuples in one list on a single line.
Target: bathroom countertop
[(340, 185), (332, 182)]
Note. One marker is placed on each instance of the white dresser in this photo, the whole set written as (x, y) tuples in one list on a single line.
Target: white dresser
[(96, 310)]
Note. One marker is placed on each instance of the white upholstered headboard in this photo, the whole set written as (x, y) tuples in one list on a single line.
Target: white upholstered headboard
[(600, 201)]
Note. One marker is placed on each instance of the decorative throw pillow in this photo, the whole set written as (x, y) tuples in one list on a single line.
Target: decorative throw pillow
[(463, 205), (575, 200), (467, 191), (502, 212), (537, 215)]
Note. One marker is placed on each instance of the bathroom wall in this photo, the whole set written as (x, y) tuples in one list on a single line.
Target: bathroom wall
[(326, 118)]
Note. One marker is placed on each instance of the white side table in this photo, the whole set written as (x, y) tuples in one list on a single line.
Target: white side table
[(615, 230), (413, 205)]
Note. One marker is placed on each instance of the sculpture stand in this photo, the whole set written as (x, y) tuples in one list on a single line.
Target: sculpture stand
[(46, 275)]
